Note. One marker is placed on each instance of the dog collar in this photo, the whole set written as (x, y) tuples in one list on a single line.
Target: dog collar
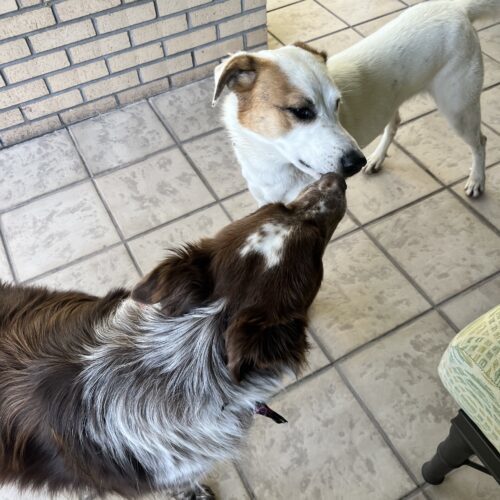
[(264, 410)]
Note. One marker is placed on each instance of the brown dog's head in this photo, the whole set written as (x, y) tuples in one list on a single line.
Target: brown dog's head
[(266, 267)]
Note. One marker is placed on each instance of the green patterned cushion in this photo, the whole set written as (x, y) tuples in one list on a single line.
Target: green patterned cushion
[(470, 371)]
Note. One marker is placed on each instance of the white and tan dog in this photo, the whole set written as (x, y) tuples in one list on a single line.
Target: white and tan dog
[(293, 114)]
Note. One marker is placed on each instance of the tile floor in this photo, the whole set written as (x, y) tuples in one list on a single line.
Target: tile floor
[(97, 204)]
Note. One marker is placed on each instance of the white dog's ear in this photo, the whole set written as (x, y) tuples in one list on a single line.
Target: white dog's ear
[(238, 72)]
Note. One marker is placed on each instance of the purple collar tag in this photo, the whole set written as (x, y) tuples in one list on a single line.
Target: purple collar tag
[(264, 410)]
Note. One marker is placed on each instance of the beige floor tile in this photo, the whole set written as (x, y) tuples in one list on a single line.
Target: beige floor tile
[(490, 111), (397, 379), (121, 136), (5, 273), (416, 496), (432, 141), (38, 166), (96, 275), (491, 71), (362, 296), (273, 42), (465, 308), (152, 192), (332, 44), (357, 11), (151, 248), (440, 244), (226, 483), (240, 205), (329, 449), (57, 229), (465, 484), (188, 110), (302, 21), (416, 106), (490, 41), (400, 181), (370, 27), (214, 156), (11, 492), (276, 4), (489, 203)]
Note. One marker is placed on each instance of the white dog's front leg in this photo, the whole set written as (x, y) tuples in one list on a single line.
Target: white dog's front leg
[(375, 160)]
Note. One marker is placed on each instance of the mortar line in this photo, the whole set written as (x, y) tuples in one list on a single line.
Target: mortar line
[(8, 256)]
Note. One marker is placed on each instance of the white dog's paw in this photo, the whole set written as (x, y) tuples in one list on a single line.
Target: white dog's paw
[(373, 164), (474, 187)]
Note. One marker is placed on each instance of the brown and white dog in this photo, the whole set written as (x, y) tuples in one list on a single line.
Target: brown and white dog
[(146, 390), (294, 114)]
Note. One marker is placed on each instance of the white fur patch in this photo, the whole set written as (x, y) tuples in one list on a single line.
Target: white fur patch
[(267, 241)]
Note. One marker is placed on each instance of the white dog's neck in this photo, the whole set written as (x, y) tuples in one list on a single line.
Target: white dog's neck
[(270, 176)]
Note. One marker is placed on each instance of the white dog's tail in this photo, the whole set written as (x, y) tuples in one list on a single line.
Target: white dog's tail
[(477, 9)]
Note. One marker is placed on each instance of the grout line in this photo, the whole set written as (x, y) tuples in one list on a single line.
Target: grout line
[(244, 480), (377, 426), (8, 256), (106, 207), (292, 2)]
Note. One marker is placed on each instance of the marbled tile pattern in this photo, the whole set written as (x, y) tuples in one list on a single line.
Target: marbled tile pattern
[(120, 137), (37, 167), (153, 191), (189, 110), (100, 204)]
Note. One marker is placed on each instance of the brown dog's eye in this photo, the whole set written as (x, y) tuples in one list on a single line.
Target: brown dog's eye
[(305, 113)]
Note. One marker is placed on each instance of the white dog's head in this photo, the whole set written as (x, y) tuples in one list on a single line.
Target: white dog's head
[(287, 97)]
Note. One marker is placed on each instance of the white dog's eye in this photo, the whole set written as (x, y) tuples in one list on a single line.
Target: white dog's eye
[(337, 104), (305, 113)]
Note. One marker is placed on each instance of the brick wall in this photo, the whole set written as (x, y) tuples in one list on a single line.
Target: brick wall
[(62, 61)]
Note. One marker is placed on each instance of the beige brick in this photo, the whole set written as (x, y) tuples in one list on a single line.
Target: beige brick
[(111, 85), (218, 50), (166, 7), (10, 51), (36, 67), (253, 4), (125, 17), (100, 47), (52, 104), (29, 3), (7, 6), (26, 21), (159, 29), (256, 37), (62, 36), (167, 67), (215, 12), (30, 130), (10, 118), (72, 9), (76, 76), (135, 57), (143, 91), (191, 40), (88, 110), (22, 93), (243, 23), (193, 75)]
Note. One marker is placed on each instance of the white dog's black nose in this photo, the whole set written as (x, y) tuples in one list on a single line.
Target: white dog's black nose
[(352, 162)]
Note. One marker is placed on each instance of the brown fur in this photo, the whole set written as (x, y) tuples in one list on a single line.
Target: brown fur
[(264, 94), (43, 335), (320, 53)]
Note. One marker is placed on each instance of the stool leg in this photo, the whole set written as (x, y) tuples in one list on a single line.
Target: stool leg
[(451, 454)]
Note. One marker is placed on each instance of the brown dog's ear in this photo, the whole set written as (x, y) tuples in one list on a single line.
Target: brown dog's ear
[(252, 342), (180, 283), (238, 73), (320, 53)]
